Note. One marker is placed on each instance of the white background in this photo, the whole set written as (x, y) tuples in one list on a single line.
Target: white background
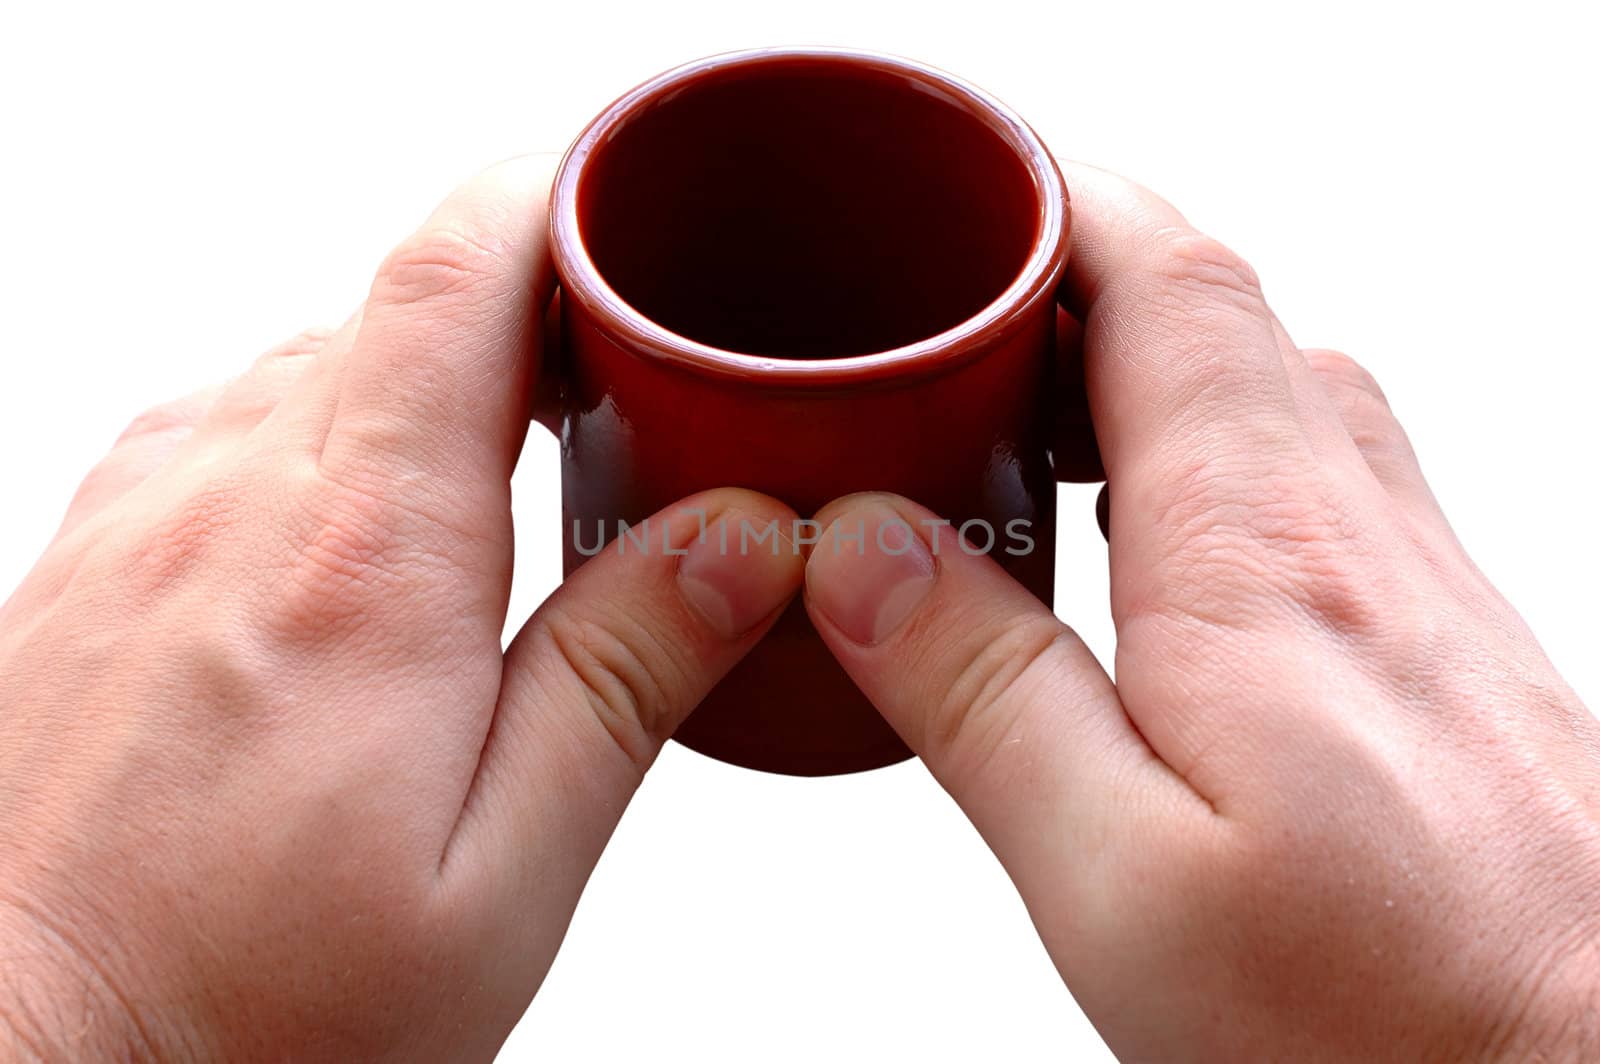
[(181, 189)]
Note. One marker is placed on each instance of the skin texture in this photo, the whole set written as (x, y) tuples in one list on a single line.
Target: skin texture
[(1337, 804), (270, 789)]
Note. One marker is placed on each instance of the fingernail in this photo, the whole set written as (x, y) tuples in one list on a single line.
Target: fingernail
[(734, 580), (869, 572)]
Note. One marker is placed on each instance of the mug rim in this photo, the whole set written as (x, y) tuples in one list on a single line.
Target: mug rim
[(1009, 311)]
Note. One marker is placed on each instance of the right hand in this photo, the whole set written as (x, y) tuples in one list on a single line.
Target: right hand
[(1338, 804)]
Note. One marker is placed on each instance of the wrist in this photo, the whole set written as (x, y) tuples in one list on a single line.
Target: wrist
[(57, 1002)]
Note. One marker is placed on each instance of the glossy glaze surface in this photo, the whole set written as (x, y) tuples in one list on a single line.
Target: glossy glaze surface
[(808, 273)]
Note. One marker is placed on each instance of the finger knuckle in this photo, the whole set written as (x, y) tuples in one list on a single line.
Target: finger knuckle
[(104, 483), (1195, 265), (979, 708), (1341, 371), (184, 538), (306, 342), (1270, 539), (274, 365), (1244, 497), (176, 417), (439, 262), (347, 547), (1364, 409), (1383, 443), (624, 674), (250, 398)]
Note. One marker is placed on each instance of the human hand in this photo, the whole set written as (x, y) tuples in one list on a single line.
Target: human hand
[(268, 786), (1338, 804)]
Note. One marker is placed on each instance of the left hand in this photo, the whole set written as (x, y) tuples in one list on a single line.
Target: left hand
[(269, 787)]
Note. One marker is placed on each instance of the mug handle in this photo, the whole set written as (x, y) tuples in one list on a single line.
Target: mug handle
[(545, 402), (1073, 448)]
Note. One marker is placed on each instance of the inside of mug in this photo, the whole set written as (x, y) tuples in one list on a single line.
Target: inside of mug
[(809, 209)]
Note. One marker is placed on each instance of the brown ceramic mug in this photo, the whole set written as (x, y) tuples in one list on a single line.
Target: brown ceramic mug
[(809, 272)]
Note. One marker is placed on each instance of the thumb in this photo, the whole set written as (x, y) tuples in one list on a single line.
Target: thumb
[(1006, 705), (605, 671)]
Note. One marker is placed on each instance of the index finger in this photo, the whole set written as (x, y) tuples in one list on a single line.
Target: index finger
[(439, 381), (1181, 360)]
